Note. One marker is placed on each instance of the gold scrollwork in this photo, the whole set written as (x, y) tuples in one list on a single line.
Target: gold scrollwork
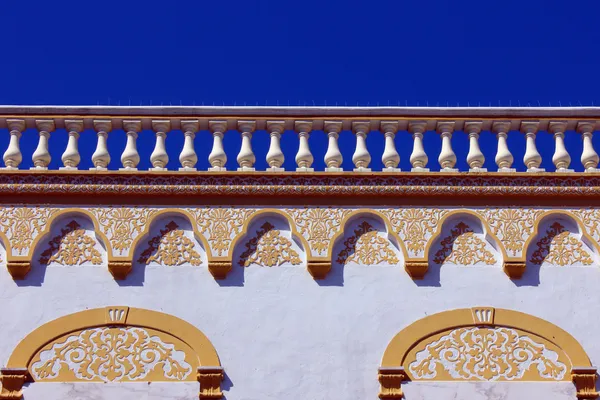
[(463, 247), (367, 247), (560, 247), (269, 248), (170, 247), (72, 247)]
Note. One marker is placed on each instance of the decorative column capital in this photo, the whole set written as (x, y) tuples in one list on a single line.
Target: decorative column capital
[(361, 127), (132, 126), (586, 126), (473, 127), (390, 379), (102, 125), (417, 127), (190, 125), (276, 126), (46, 125), (557, 127), (210, 382), (584, 379), (163, 126), (332, 126), (501, 127), (217, 126), (12, 382), (16, 124), (445, 127), (74, 125), (389, 126), (303, 126), (529, 127), (247, 126)]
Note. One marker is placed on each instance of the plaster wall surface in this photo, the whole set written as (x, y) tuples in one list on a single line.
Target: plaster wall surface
[(282, 335)]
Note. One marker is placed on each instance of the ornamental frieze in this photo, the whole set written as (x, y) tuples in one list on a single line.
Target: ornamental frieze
[(512, 237)]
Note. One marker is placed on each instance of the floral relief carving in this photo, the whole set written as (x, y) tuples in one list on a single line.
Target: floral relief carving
[(560, 247), (318, 225), (122, 225), (415, 225), (512, 226), (487, 354), (112, 354), (72, 247), (171, 247), (367, 247), (463, 247), (22, 225), (221, 225), (591, 219), (269, 248)]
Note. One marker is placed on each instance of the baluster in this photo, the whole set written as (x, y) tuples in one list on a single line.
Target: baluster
[(447, 158), (275, 157), (71, 157), (418, 157), (333, 156), (475, 157), (12, 156), (41, 156), (130, 157), (589, 157), (101, 157), (561, 157), (361, 157), (532, 158), (188, 157), (390, 157), (504, 158), (217, 157), (159, 157), (304, 157), (246, 158)]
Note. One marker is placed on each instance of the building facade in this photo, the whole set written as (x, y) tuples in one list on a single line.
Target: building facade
[(346, 283)]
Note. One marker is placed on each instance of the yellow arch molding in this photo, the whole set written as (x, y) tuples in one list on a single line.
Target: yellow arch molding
[(210, 367), (394, 362)]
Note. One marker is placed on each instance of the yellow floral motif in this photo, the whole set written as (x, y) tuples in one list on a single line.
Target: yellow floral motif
[(486, 354), (22, 224), (72, 247), (512, 226), (170, 247), (122, 224), (560, 247), (112, 354), (221, 225), (414, 225), (367, 247), (318, 225), (591, 219), (269, 248), (463, 247)]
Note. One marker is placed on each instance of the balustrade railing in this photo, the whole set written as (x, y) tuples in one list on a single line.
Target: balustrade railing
[(213, 123)]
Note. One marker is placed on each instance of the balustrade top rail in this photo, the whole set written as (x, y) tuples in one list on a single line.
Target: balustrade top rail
[(390, 121)]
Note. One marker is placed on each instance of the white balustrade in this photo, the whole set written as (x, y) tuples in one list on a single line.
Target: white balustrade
[(246, 157), (41, 156), (390, 157), (130, 157), (159, 157), (504, 158), (589, 157), (475, 157), (217, 157), (418, 157), (447, 158), (561, 157), (12, 156), (188, 157), (532, 158), (101, 156), (275, 157), (71, 157), (333, 156), (304, 157), (361, 157)]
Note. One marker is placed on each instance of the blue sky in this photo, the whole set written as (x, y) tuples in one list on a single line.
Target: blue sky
[(397, 52)]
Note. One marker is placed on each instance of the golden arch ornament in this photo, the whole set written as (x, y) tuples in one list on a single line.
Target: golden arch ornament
[(484, 344), (114, 344)]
